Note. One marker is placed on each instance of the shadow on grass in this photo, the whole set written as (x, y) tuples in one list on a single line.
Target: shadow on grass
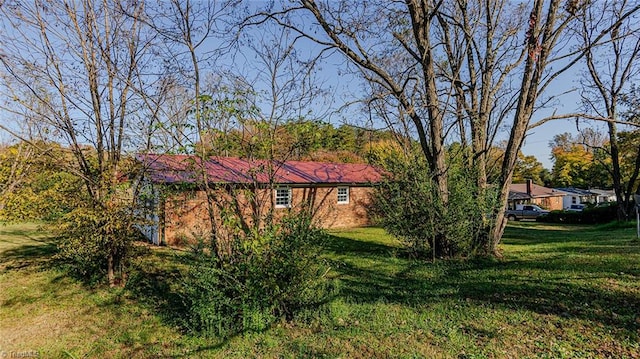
[(354, 247), (19, 231), (569, 281), (28, 255), (159, 285), (156, 283), (568, 234), (549, 234)]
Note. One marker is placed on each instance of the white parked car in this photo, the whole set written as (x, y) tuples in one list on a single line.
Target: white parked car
[(575, 208)]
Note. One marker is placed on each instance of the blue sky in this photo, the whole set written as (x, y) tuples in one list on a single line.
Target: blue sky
[(537, 140), (536, 143)]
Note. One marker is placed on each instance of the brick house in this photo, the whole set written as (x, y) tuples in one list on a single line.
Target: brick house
[(531, 193), (338, 194)]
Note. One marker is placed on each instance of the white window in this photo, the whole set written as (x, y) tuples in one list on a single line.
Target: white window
[(343, 195), (283, 197)]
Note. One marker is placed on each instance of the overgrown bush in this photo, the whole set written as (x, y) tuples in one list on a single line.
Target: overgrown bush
[(272, 273), (407, 206), (35, 183), (97, 244)]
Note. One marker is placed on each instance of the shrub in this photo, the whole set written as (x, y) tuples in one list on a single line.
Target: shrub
[(593, 215), (407, 206), (46, 196), (271, 273), (91, 238)]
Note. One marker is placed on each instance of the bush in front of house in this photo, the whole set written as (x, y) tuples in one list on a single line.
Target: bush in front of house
[(97, 243), (272, 274), (593, 215)]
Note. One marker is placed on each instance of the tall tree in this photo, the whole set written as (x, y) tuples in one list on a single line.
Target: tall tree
[(185, 27), (611, 68), (572, 162), (449, 67), (528, 167), (74, 69)]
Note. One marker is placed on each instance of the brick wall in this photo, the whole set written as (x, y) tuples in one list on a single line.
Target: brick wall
[(184, 215), (328, 213), (550, 203)]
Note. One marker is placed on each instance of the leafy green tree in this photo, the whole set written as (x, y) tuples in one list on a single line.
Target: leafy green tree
[(407, 206), (572, 163), (600, 170), (35, 183), (629, 142), (299, 139), (580, 161), (528, 167)]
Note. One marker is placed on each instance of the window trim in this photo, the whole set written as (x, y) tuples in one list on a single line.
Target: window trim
[(276, 197), (338, 195)]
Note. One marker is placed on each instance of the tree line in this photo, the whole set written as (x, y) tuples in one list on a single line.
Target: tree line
[(36, 184)]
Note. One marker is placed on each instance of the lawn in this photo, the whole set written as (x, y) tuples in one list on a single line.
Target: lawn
[(559, 291)]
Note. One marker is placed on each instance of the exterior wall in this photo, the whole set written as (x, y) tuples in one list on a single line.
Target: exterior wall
[(184, 214), (605, 198), (550, 203), (573, 198), (570, 199), (328, 213)]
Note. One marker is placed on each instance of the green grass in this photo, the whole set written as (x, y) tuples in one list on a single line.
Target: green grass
[(559, 292)]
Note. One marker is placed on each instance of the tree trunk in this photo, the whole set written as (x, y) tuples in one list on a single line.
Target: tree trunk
[(495, 236), (111, 276), (623, 214), (539, 45)]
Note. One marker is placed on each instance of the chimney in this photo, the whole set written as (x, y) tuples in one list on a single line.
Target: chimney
[(529, 186)]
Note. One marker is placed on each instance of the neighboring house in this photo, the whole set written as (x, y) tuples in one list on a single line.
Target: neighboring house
[(172, 187), (604, 195), (577, 196), (529, 192)]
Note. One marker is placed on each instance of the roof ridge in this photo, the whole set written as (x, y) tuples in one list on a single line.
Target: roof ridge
[(169, 168)]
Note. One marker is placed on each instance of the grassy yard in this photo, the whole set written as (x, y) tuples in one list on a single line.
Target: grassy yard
[(559, 292)]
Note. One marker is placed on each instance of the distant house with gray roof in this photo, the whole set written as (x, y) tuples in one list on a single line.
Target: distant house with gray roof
[(604, 195), (586, 196), (577, 196)]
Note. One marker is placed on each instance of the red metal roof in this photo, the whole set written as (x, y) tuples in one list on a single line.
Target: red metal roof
[(187, 169)]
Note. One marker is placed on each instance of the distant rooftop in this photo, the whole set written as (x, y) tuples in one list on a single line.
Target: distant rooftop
[(578, 191), (603, 192), (519, 191)]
